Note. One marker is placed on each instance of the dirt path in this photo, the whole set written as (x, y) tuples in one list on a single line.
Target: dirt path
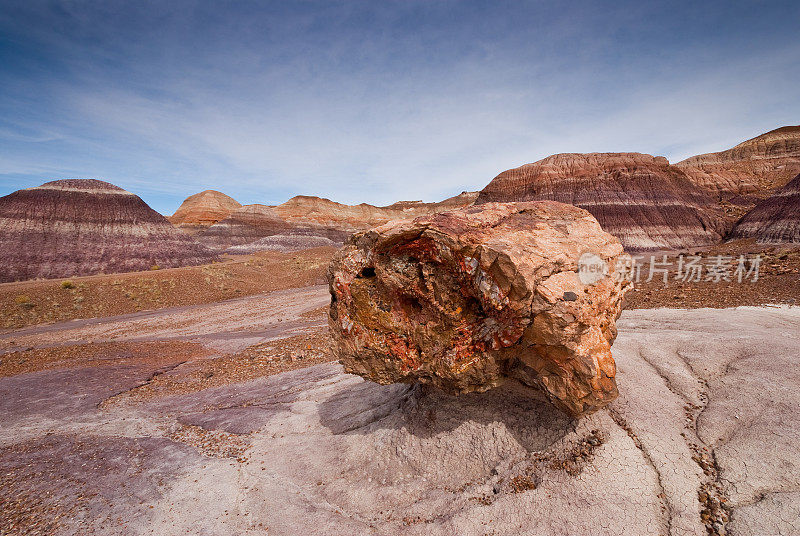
[(30, 303), (227, 326)]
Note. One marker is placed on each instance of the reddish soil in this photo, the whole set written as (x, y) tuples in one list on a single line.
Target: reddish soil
[(38, 302), (778, 281), (161, 353), (46, 301), (264, 359)]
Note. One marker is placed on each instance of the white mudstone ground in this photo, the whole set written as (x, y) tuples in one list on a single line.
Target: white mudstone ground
[(709, 407)]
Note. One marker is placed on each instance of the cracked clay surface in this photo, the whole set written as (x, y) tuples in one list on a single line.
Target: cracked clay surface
[(702, 440)]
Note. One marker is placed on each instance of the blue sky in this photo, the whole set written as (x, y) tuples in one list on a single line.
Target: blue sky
[(376, 101)]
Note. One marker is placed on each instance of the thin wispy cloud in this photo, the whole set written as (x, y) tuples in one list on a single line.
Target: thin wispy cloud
[(375, 102)]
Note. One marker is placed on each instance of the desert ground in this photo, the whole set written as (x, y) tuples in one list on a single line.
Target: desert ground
[(399, 268), (205, 400)]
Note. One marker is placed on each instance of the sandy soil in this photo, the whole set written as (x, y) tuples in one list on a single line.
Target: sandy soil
[(778, 282), (35, 302), (208, 419), (202, 400)]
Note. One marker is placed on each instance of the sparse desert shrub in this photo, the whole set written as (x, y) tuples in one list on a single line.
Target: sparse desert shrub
[(155, 267), (24, 302), (67, 284)]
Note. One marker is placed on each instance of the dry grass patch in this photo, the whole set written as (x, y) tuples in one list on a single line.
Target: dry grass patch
[(39, 302)]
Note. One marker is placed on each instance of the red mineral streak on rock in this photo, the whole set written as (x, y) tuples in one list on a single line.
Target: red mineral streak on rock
[(466, 299)]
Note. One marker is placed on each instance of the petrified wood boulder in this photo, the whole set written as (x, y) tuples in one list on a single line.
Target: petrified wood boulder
[(466, 299)]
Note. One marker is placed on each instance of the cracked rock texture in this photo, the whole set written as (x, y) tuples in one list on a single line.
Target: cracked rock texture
[(466, 299)]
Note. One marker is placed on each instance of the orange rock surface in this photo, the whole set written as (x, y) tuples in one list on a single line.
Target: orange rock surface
[(203, 210), (466, 299)]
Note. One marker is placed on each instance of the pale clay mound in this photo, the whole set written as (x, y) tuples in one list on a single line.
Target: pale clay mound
[(330, 453), (282, 243)]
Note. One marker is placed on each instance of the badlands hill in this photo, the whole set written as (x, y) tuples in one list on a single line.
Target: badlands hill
[(85, 226), (639, 198), (774, 220), (419, 208), (306, 209), (252, 223), (307, 219), (755, 167), (312, 210), (284, 243), (202, 210), (243, 225)]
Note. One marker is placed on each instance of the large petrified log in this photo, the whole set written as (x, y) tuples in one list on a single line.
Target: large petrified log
[(466, 299)]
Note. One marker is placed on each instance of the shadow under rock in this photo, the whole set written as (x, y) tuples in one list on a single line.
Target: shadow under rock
[(424, 411)]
